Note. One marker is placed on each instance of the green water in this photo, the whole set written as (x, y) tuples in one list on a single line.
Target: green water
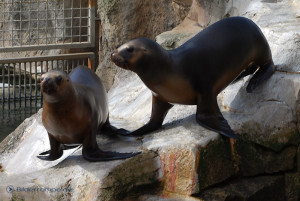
[(12, 117)]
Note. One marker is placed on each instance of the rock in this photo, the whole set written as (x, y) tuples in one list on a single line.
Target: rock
[(82, 179), (292, 186), (265, 120), (161, 198), (182, 160), (182, 7), (253, 159), (268, 115), (257, 188), (187, 151), (201, 14)]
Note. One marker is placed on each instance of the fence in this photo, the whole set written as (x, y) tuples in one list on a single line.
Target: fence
[(38, 27), (45, 24), (21, 77)]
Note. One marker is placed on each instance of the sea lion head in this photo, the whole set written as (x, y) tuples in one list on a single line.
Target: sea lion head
[(55, 85), (137, 53)]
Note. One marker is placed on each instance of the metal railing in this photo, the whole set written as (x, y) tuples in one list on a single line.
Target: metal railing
[(20, 77), (39, 26), (46, 24)]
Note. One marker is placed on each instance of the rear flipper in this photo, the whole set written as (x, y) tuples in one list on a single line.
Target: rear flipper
[(99, 155), (111, 130), (250, 70), (260, 76), (217, 124)]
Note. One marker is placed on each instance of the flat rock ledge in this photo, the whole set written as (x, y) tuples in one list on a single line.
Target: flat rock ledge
[(182, 161)]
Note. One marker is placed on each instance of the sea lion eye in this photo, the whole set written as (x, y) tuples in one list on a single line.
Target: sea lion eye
[(130, 49), (58, 80), (42, 79)]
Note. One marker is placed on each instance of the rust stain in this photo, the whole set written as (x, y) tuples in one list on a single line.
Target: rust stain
[(92, 3), (232, 142), (170, 171), (93, 190)]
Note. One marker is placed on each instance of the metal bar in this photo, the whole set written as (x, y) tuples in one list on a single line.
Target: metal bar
[(91, 31), (12, 32), (72, 6), (20, 76), (41, 93), (3, 87), (3, 33), (80, 20), (29, 25), (8, 91), (55, 25), (46, 47), (46, 32), (48, 58), (68, 63), (24, 84), (30, 82), (35, 83), (64, 28), (38, 22), (14, 85), (21, 42)]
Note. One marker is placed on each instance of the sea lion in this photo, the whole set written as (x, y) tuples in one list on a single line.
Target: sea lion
[(74, 109), (197, 71)]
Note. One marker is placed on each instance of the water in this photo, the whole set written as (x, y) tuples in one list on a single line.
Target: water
[(10, 119)]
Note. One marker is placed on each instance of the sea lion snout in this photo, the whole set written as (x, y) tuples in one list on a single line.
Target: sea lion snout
[(119, 60), (50, 82), (49, 86)]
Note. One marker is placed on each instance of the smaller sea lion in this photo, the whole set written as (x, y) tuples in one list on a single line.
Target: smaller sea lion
[(74, 109), (197, 71)]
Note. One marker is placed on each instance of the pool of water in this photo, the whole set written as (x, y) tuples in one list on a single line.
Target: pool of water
[(11, 119)]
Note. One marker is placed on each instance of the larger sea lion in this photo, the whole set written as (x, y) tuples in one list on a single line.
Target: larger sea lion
[(197, 71), (74, 109)]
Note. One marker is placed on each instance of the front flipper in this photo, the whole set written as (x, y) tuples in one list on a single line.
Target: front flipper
[(99, 155), (55, 152), (209, 116), (159, 111), (64, 147)]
